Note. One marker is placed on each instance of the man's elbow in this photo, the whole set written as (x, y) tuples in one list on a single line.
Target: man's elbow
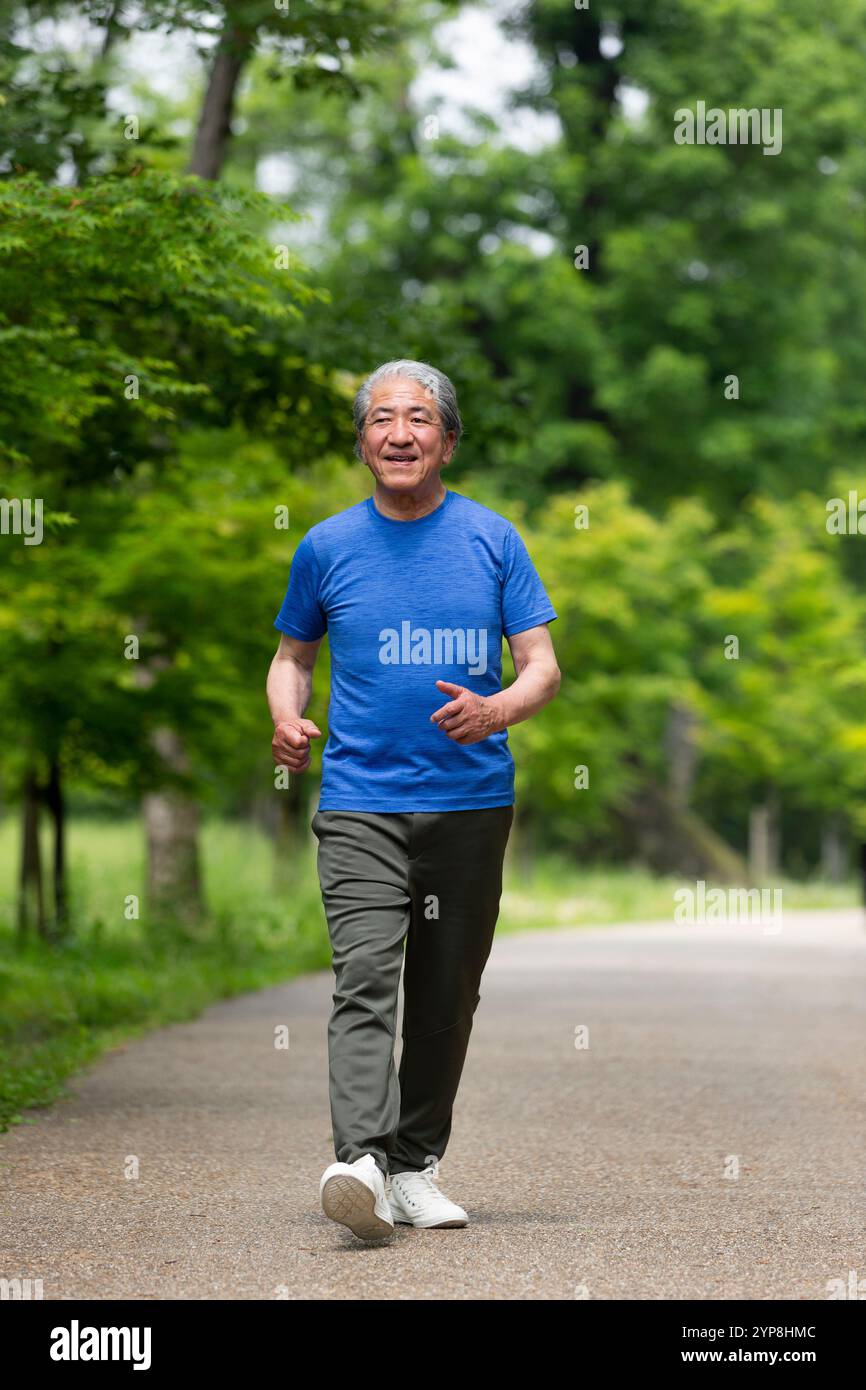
[(548, 677)]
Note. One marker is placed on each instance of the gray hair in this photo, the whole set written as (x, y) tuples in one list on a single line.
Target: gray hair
[(436, 384)]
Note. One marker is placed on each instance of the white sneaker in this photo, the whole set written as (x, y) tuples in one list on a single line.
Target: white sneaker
[(415, 1200), (354, 1195)]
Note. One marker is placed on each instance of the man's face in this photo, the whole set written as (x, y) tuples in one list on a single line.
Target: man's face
[(402, 441)]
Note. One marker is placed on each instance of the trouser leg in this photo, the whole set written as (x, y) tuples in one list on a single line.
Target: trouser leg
[(455, 883), (363, 872)]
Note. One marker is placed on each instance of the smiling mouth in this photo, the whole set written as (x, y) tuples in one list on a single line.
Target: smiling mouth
[(400, 458)]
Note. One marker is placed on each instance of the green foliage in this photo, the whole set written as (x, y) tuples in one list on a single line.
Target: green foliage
[(165, 386), (60, 1007), (647, 605), (789, 712), (122, 307), (124, 310)]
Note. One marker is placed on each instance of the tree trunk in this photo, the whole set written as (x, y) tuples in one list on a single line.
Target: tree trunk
[(171, 817), (681, 754), (291, 831), (671, 839), (521, 851), (112, 28), (171, 822), (215, 119), (764, 838), (601, 81), (57, 810), (834, 851), (30, 887)]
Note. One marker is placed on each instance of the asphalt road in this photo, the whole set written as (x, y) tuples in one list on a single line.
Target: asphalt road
[(710, 1142)]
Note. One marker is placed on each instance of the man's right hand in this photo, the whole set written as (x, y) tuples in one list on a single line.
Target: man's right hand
[(291, 743)]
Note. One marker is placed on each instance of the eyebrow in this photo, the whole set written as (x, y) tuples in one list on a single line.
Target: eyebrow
[(378, 410)]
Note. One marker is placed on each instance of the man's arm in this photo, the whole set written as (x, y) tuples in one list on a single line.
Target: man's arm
[(468, 718), (289, 686), (538, 676)]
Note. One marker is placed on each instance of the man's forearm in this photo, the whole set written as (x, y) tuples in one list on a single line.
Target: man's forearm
[(531, 691), (289, 688)]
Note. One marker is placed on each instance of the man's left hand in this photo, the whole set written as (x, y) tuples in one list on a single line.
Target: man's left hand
[(467, 718)]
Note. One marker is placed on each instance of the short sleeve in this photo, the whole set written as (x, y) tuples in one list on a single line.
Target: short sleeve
[(524, 598), (302, 615)]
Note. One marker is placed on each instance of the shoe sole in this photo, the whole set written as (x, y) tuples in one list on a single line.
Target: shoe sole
[(437, 1225), (351, 1203)]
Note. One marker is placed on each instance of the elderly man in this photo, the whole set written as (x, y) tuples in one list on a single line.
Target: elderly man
[(416, 587)]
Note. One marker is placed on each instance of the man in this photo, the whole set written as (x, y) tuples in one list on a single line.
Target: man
[(416, 587)]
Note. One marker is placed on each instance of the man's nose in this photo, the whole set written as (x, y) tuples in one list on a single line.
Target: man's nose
[(400, 432)]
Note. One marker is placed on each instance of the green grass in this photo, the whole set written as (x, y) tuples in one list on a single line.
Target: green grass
[(553, 892), (61, 1006)]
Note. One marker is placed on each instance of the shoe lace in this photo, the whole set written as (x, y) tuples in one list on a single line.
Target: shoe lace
[(431, 1172), (427, 1178)]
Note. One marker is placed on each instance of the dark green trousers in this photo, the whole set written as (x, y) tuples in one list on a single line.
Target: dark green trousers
[(429, 882)]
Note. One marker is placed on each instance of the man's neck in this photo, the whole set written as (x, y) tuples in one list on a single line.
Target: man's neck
[(408, 506)]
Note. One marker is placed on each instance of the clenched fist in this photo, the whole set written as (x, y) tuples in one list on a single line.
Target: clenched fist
[(291, 743), (468, 718)]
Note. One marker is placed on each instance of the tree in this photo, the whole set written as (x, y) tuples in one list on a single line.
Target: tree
[(123, 307), (311, 44)]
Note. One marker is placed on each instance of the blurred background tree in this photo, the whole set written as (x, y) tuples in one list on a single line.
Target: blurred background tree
[(197, 267)]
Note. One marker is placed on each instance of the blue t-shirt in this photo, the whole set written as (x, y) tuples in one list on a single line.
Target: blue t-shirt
[(407, 603)]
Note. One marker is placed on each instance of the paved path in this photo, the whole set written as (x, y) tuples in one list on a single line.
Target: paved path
[(594, 1172)]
